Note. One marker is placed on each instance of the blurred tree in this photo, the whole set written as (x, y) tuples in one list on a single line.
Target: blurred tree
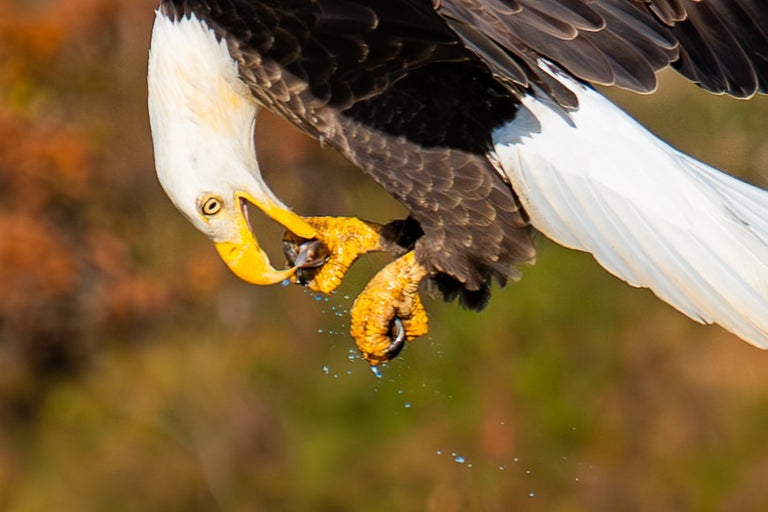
[(136, 374), (69, 272)]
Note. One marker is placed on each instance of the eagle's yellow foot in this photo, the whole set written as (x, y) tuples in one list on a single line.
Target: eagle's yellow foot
[(389, 310), (321, 263)]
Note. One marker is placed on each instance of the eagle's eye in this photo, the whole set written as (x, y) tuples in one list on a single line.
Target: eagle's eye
[(211, 205)]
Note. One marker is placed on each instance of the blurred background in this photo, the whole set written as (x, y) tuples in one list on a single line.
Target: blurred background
[(137, 374)]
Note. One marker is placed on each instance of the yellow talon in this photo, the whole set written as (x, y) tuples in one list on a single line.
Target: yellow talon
[(346, 239), (389, 311), (391, 296)]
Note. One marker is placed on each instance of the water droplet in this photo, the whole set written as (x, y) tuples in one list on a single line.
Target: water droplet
[(459, 459), (285, 283), (439, 452), (326, 370), (501, 468), (407, 405), (375, 370), (577, 479), (352, 357), (318, 298), (532, 494), (320, 331), (516, 459)]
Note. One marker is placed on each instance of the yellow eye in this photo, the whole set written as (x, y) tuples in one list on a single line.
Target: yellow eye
[(211, 206)]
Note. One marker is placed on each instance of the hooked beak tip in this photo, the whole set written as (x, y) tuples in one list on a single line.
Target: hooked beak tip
[(243, 255)]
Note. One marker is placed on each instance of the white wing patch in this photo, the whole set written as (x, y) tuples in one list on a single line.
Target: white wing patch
[(597, 181)]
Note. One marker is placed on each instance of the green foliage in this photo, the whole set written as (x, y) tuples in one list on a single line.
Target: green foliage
[(136, 374)]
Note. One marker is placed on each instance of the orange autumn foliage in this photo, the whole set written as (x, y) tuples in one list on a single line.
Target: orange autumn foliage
[(137, 374), (69, 274), (42, 30)]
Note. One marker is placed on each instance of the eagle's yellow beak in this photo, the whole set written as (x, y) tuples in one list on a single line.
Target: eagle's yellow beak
[(244, 256)]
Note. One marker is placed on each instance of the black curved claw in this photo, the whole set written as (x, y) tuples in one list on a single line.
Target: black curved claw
[(290, 251), (308, 256), (312, 254), (397, 333)]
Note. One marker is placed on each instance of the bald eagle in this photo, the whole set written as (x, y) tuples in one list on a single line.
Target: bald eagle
[(480, 117)]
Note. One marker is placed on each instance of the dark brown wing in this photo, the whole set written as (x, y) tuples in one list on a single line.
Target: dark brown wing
[(411, 90), (392, 87), (720, 44)]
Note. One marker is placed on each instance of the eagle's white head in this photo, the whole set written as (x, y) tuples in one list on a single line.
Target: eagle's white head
[(202, 118)]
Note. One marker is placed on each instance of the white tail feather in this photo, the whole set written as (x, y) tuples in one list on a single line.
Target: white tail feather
[(597, 181)]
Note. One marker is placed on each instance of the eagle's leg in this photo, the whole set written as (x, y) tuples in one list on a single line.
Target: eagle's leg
[(322, 263), (389, 310)]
